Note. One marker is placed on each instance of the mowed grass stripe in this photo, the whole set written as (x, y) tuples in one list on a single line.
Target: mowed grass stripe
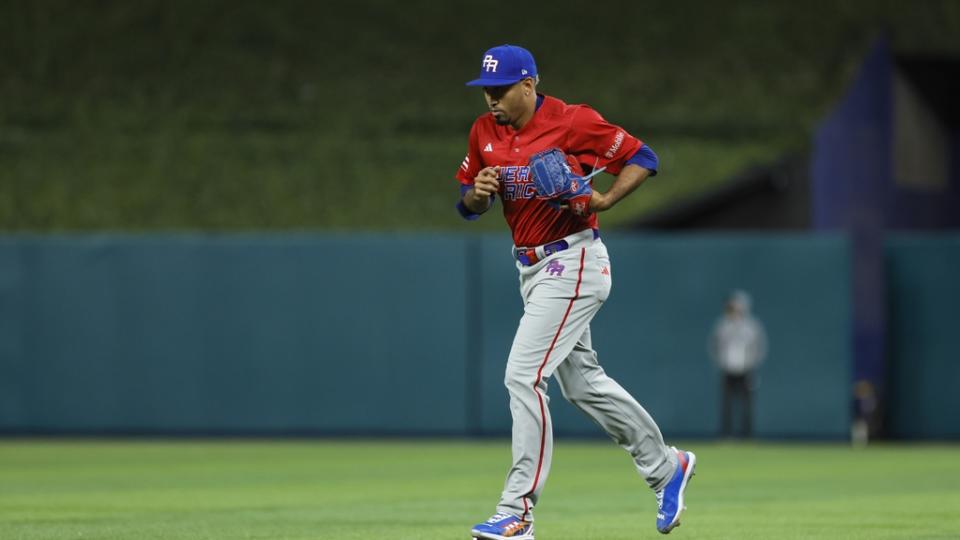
[(319, 489)]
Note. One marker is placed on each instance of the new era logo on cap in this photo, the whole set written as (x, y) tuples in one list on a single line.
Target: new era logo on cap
[(505, 65)]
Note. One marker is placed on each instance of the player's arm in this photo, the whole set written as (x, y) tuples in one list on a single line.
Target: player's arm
[(479, 198), (622, 154), (642, 165), (629, 179), (636, 170), (477, 185)]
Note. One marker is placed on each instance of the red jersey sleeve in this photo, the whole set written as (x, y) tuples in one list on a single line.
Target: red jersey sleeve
[(471, 163), (597, 143)]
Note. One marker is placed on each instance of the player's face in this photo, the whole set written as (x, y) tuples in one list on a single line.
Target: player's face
[(506, 103)]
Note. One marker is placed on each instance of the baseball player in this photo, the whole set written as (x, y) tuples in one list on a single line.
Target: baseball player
[(534, 153)]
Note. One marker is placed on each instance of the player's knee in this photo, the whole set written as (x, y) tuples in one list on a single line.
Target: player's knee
[(517, 383), (513, 383)]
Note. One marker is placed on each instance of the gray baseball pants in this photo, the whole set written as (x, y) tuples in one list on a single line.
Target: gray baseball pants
[(561, 294)]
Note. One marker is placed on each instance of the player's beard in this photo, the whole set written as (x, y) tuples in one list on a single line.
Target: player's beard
[(501, 118)]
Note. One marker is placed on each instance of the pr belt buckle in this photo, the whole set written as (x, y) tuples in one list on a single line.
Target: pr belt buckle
[(527, 257)]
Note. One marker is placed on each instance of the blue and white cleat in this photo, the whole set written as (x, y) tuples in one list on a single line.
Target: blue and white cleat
[(670, 498), (503, 527)]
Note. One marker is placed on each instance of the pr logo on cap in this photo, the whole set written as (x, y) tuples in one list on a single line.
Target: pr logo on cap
[(505, 65)]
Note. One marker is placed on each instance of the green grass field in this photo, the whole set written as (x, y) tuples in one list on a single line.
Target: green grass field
[(437, 489)]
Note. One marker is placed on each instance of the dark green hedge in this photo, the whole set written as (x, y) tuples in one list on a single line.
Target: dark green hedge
[(284, 115)]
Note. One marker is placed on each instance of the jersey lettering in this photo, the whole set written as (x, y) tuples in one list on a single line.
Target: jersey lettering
[(617, 142), (517, 183)]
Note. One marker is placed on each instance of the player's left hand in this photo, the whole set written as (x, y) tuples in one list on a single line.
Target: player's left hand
[(556, 182)]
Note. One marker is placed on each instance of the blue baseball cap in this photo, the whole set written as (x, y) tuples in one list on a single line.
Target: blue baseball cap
[(505, 65)]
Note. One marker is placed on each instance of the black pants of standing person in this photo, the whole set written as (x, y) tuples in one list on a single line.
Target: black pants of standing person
[(737, 388)]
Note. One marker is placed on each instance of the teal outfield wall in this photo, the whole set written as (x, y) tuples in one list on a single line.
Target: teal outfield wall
[(923, 277), (379, 334), (229, 333)]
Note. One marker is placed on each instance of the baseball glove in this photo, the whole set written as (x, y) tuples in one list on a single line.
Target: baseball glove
[(557, 183)]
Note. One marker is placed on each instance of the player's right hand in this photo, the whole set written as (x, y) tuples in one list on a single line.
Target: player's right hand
[(486, 182), (485, 186)]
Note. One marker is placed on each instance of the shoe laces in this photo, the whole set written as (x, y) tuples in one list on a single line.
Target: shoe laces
[(497, 517)]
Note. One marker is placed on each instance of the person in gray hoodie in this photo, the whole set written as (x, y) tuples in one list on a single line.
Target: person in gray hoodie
[(738, 346)]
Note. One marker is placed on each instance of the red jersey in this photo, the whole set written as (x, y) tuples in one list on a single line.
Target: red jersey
[(578, 130)]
